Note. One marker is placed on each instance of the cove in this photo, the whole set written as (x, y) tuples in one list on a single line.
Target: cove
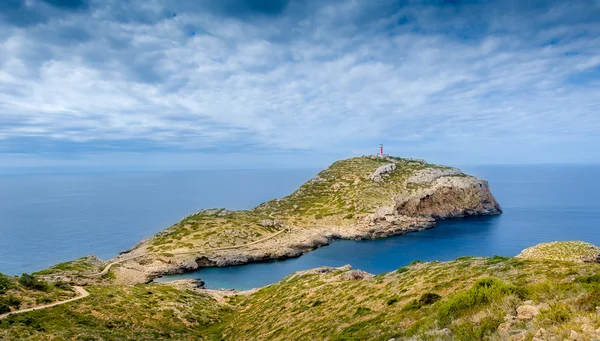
[(540, 203)]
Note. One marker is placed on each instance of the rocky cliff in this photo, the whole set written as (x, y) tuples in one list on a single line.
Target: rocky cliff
[(357, 198)]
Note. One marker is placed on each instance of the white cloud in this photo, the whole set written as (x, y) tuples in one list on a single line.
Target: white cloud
[(338, 76)]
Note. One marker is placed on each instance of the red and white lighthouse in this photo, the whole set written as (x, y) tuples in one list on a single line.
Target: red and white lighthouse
[(381, 149)]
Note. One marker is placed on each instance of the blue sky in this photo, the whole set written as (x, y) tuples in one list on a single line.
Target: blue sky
[(249, 83)]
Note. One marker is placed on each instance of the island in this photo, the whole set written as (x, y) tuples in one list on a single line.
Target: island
[(549, 291)]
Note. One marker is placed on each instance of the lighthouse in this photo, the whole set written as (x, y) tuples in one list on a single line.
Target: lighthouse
[(381, 154)]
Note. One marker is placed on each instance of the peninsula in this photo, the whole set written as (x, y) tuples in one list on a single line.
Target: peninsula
[(358, 198)]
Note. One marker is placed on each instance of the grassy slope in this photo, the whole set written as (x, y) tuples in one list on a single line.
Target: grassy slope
[(17, 294), (476, 294), (343, 192), (142, 312), (465, 299)]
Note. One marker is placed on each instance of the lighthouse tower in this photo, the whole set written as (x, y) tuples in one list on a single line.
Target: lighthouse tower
[(381, 154)]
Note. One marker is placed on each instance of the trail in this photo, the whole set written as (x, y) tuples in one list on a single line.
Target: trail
[(107, 268), (81, 291)]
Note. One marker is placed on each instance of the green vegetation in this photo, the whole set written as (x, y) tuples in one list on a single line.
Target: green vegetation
[(336, 196), (141, 312), (28, 290), (88, 264), (467, 299)]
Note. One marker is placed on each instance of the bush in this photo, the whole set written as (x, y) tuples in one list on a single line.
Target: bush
[(30, 282), (5, 283), (402, 270), (4, 308), (360, 311), (483, 292), (425, 299), (13, 301), (557, 314), (62, 285), (392, 300)]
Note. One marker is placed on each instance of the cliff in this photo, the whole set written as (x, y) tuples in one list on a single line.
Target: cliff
[(358, 198)]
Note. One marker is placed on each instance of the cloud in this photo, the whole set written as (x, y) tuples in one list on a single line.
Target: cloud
[(300, 77)]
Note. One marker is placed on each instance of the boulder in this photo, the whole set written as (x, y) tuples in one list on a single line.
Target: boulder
[(526, 312), (376, 175)]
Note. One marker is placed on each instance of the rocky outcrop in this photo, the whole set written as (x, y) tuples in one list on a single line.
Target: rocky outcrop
[(429, 175), (570, 251), (449, 197), (377, 175)]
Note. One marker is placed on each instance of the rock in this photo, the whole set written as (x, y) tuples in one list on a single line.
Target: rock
[(574, 335), (317, 179), (270, 223), (504, 327), (449, 197), (586, 328), (376, 175), (541, 333), (519, 337), (354, 275), (429, 175), (529, 302), (526, 312)]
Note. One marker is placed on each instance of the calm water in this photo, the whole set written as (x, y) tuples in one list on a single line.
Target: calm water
[(46, 219), (540, 203)]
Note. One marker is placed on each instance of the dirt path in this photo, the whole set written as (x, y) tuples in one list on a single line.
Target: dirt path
[(81, 291), (107, 268)]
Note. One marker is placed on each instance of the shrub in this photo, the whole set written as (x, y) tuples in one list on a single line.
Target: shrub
[(476, 330), (402, 270), (4, 308), (360, 311), (425, 299), (556, 314), (5, 283), (392, 300), (62, 285), (481, 293), (592, 279), (13, 301), (30, 282)]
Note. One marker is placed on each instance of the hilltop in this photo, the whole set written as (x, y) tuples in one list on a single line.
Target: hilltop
[(358, 198)]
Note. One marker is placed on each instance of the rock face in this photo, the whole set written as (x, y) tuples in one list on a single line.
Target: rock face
[(379, 172), (449, 197)]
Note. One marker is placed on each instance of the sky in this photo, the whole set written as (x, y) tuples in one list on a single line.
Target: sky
[(145, 84)]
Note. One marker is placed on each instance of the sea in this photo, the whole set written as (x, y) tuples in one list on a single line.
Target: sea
[(51, 218)]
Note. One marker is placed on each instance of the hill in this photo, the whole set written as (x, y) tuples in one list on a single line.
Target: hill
[(470, 298), (358, 198)]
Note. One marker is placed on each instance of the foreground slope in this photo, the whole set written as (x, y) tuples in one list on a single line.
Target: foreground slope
[(530, 297), (357, 198)]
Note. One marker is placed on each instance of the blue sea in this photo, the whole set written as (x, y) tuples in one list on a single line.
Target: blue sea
[(46, 219)]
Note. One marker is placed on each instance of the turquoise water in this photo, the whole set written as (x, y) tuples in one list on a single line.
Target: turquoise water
[(46, 219)]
